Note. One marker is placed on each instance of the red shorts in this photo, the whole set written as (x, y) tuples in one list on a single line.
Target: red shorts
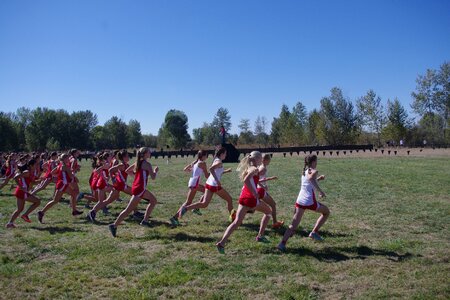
[(20, 194), (313, 206), (194, 185), (249, 202), (119, 186), (212, 188), (261, 192), (138, 191), (60, 186)]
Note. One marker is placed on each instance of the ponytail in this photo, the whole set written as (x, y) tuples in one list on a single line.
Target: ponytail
[(140, 158), (246, 163), (309, 159)]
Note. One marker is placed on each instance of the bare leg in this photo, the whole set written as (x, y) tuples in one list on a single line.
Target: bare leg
[(151, 205), (16, 213), (240, 215), (36, 202), (134, 201), (225, 196), (269, 200), (325, 213), (265, 209), (295, 222)]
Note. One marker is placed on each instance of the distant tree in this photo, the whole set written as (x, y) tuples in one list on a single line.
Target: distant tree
[(150, 140), (134, 133), (339, 122), (117, 132), (246, 135), (432, 100), (371, 113), (397, 121), (175, 128), (8, 133), (261, 137)]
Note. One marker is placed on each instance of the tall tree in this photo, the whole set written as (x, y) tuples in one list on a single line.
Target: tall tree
[(117, 132), (397, 121), (261, 137), (371, 113), (176, 125), (134, 133), (246, 135), (432, 98), (8, 134)]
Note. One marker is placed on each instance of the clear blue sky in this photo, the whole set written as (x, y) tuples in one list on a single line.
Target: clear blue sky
[(138, 59)]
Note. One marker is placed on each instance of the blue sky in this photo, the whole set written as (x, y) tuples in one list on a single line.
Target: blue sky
[(138, 59)]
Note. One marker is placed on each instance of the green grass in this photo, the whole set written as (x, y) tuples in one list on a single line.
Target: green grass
[(387, 237)]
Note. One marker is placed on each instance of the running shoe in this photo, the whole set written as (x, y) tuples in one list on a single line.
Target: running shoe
[(315, 236), (113, 229), (91, 215), (40, 216), (26, 218), (262, 239), (105, 211), (281, 247), (183, 210), (145, 223), (197, 212), (232, 215), (76, 213), (80, 196), (220, 248), (10, 226), (174, 221), (278, 224)]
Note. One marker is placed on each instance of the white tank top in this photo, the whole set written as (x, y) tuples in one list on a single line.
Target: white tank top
[(305, 196), (264, 183), (197, 173), (219, 171)]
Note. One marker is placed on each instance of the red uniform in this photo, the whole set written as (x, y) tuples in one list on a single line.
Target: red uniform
[(50, 166), (10, 171), (62, 183), (121, 179), (140, 182), (93, 180), (102, 179), (246, 198), (24, 184)]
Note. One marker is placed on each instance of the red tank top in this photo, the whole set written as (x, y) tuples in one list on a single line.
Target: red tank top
[(121, 176), (246, 192)]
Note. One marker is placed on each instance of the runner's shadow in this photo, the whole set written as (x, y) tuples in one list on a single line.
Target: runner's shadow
[(338, 254), (179, 237), (54, 229)]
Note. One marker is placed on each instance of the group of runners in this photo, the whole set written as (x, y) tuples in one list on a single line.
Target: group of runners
[(110, 172)]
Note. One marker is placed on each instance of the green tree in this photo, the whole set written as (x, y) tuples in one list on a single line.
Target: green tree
[(175, 128), (397, 121), (134, 133), (8, 133), (261, 137), (431, 99), (246, 135), (117, 133), (371, 113)]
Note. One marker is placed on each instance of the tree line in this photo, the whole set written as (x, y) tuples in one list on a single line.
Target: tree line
[(337, 121)]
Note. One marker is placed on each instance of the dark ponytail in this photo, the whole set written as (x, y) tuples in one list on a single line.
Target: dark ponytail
[(309, 159)]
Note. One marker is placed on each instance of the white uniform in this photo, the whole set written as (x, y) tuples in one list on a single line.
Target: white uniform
[(197, 173), (219, 171), (306, 195)]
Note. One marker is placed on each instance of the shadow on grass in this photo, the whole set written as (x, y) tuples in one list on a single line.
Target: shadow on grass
[(302, 232), (54, 229), (345, 253), (179, 237)]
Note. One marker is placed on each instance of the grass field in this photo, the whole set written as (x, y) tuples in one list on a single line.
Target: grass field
[(388, 237)]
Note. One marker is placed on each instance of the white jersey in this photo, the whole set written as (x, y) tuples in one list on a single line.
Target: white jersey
[(219, 171), (305, 196), (264, 183), (197, 173)]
